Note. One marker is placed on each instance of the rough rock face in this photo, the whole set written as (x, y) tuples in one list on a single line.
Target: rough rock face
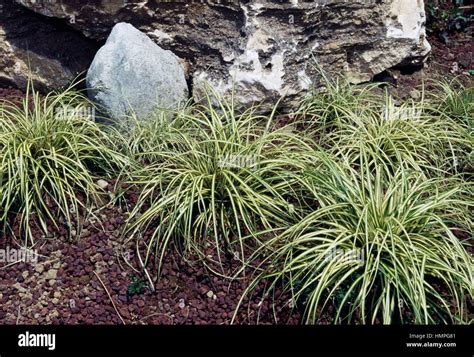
[(131, 72), (265, 48), (43, 49)]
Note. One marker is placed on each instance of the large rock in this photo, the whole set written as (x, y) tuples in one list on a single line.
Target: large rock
[(263, 48), (32, 46), (131, 73)]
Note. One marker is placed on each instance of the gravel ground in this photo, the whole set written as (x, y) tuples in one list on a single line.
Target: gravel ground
[(447, 61), (14, 95), (86, 282)]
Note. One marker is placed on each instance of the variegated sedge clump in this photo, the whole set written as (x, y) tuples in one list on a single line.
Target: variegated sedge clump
[(224, 177), (51, 151)]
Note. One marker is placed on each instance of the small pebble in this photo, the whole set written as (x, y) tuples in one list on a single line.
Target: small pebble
[(102, 184)]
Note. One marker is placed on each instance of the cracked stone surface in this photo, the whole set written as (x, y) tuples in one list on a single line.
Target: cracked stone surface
[(262, 49), (40, 48)]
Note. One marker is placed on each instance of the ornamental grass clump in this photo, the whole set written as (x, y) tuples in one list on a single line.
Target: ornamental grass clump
[(412, 135), (379, 249), (143, 139), (226, 176), (454, 100), (405, 136), (51, 153), (333, 100)]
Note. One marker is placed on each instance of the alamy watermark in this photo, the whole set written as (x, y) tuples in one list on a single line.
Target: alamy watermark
[(68, 112), (12, 255), (346, 255), (402, 113), (238, 161)]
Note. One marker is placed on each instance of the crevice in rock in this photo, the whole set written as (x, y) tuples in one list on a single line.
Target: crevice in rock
[(47, 45)]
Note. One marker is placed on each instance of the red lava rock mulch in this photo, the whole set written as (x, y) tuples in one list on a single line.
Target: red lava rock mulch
[(14, 95), (63, 287), (446, 61)]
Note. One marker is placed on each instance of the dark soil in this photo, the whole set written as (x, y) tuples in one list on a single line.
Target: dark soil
[(11, 94), (446, 62), (72, 280)]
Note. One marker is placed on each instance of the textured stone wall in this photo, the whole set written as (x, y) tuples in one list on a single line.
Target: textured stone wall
[(45, 49), (264, 49)]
